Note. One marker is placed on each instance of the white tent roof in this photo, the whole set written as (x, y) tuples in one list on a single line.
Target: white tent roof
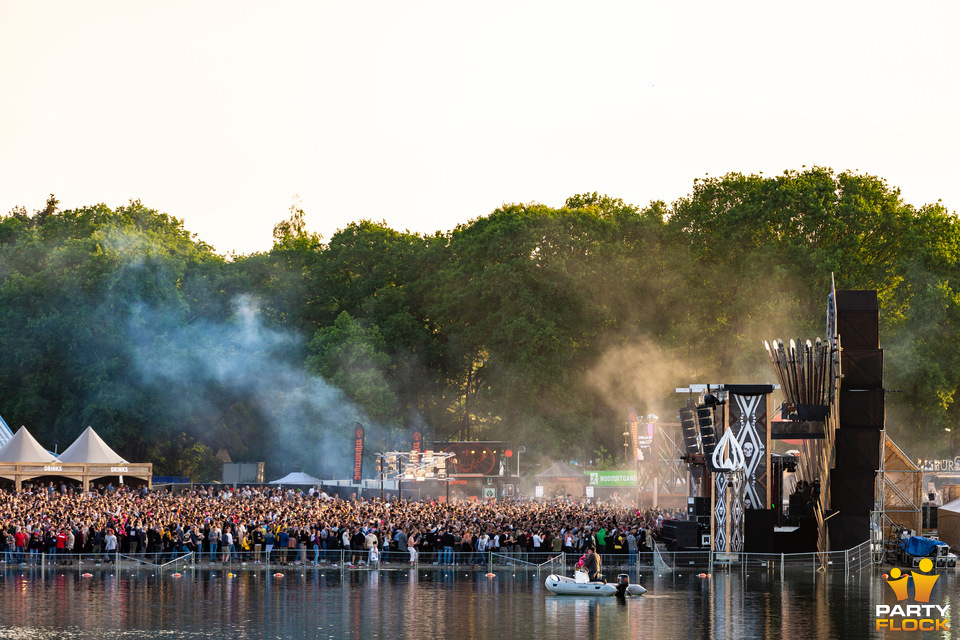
[(948, 523), (952, 506), (5, 433), (23, 447), (297, 477), (90, 448)]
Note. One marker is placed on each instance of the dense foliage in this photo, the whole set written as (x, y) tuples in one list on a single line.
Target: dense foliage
[(531, 324)]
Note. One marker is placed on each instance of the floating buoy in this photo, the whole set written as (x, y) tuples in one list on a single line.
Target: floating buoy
[(702, 575), (88, 575), (885, 576), (278, 575), (177, 575), (491, 575)]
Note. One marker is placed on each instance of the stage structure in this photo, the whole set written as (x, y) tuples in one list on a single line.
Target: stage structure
[(726, 441), (834, 405), (832, 412), (661, 474), (413, 466)]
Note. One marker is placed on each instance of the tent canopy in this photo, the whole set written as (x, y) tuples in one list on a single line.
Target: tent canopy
[(5, 432), (90, 448), (948, 523), (297, 477), (23, 447)]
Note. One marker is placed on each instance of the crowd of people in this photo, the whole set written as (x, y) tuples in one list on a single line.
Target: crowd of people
[(285, 526)]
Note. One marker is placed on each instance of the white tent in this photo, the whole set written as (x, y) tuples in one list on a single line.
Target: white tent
[(297, 477), (948, 523), (5, 433), (90, 448), (23, 447)]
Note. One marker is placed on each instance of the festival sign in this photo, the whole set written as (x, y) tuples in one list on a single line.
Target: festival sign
[(626, 478)]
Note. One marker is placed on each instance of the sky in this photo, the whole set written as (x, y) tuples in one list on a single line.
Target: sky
[(427, 115)]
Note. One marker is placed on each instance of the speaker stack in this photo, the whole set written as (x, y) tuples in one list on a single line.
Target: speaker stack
[(861, 412)]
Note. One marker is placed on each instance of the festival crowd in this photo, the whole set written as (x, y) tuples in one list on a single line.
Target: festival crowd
[(285, 526)]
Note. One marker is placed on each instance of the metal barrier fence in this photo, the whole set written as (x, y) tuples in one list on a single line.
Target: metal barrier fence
[(850, 562)]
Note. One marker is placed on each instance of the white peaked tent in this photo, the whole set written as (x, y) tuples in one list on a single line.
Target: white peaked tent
[(90, 448), (88, 460), (5, 433), (23, 447), (297, 477), (948, 523)]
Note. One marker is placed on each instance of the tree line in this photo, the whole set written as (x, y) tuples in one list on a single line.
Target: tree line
[(531, 324)]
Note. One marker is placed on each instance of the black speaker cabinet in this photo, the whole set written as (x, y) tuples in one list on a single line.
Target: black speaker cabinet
[(858, 448), (861, 408), (858, 319), (852, 491), (861, 369)]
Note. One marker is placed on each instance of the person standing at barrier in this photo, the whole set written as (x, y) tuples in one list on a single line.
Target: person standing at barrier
[(371, 543), (401, 539), (110, 545), (292, 542), (227, 545), (20, 540), (631, 549), (283, 538), (269, 541), (413, 539), (214, 539), (258, 539)]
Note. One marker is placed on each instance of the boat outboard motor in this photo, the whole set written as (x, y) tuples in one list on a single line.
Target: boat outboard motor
[(623, 581)]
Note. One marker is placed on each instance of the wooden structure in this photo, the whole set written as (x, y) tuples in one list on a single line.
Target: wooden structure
[(85, 474), (88, 459), (900, 491)]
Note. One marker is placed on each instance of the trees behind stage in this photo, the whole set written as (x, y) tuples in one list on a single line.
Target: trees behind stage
[(532, 324)]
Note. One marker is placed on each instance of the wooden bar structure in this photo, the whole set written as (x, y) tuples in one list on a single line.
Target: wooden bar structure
[(21, 472)]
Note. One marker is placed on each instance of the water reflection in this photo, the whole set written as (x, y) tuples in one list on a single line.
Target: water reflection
[(435, 604)]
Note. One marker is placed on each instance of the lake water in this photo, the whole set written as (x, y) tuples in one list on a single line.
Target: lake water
[(308, 603)]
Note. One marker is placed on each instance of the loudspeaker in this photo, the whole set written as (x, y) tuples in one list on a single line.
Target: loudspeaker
[(854, 300), (680, 534), (861, 369), (852, 492), (848, 530), (858, 319), (858, 448), (861, 408), (689, 429), (708, 437), (697, 507), (758, 527)]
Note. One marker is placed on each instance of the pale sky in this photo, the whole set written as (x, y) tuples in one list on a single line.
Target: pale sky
[(430, 114)]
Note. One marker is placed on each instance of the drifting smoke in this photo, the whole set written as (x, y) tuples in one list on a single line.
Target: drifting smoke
[(641, 372), (202, 369)]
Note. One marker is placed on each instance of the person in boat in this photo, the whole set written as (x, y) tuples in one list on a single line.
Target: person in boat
[(592, 564)]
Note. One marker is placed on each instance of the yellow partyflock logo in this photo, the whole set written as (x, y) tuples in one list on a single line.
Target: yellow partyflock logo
[(913, 617)]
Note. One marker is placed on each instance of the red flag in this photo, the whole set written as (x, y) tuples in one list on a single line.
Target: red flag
[(358, 454)]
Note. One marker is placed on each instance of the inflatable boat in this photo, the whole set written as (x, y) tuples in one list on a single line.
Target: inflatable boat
[(581, 586)]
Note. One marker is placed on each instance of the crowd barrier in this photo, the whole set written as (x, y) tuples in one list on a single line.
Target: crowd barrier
[(850, 562)]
